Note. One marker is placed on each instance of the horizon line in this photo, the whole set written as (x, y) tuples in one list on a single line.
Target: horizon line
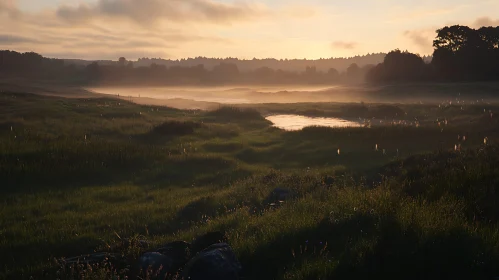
[(235, 58)]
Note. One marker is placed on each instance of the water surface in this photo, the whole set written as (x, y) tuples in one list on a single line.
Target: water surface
[(297, 122)]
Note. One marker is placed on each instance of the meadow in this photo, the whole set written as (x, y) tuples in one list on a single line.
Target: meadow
[(386, 202)]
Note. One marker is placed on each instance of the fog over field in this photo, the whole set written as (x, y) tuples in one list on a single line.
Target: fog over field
[(233, 95), (197, 97)]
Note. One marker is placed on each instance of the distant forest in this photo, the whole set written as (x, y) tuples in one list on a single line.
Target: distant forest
[(193, 71), (244, 65), (460, 54)]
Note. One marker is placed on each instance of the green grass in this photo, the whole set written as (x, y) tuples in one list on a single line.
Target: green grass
[(78, 173)]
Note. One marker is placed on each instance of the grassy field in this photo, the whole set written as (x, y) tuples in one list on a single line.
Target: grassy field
[(78, 174)]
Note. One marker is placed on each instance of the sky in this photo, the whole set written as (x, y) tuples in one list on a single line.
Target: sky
[(246, 29)]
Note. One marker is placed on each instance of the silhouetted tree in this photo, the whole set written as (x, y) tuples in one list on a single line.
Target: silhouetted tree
[(122, 61), (463, 53), (460, 54), (398, 66)]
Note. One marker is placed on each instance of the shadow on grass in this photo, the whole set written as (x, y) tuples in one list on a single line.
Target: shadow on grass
[(366, 247), (73, 165), (23, 256), (405, 254), (290, 250), (187, 171), (168, 131)]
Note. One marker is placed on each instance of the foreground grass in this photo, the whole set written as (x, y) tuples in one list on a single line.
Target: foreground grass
[(79, 173)]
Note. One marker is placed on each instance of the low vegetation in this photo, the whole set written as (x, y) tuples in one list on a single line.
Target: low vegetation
[(387, 202)]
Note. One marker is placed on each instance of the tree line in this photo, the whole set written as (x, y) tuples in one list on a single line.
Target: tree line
[(460, 53), (247, 65), (124, 72)]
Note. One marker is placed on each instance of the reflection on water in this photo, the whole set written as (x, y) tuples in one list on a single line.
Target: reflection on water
[(296, 122)]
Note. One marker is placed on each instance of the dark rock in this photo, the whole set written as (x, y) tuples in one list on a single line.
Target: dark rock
[(166, 260), (204, 241), (178, 251), (155, 265), (217, 262)]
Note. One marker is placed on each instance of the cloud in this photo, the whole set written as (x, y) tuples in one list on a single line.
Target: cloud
[(48, 33), (344, 45), (152, 11), (485, 21), (422, 38), (7, 39)]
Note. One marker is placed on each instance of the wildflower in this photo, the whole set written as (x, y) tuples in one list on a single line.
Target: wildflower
[(338, 151), (455, 147)]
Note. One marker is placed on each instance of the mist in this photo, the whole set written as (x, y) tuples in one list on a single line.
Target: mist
[(206, 98), (190, 97)]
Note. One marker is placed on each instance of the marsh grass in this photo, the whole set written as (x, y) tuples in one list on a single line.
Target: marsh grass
[(235, 113), (74, 181), (175, 128)]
